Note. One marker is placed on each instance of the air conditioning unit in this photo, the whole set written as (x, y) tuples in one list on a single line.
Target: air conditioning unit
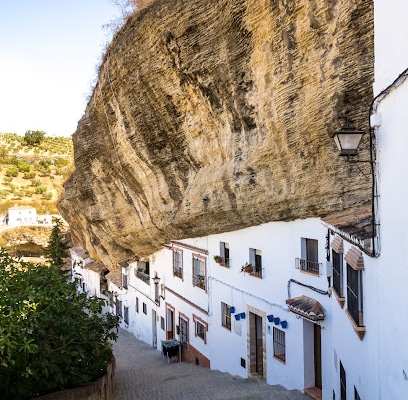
[(329, 269)]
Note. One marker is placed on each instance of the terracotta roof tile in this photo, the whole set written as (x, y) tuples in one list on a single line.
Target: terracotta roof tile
[(356, 223), (307, 307), (115, 278)]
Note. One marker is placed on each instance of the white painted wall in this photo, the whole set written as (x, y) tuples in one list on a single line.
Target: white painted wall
[(390, 33), (22, 216), (393, 265)]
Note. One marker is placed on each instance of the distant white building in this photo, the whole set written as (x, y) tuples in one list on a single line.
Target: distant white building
[(21, 215)]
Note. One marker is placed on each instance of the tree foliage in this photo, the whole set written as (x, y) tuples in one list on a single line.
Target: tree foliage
[(56, 249), (51, 336), (34, 138)]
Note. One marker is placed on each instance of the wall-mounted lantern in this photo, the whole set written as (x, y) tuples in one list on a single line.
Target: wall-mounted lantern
[(347, 140), (157, 296)]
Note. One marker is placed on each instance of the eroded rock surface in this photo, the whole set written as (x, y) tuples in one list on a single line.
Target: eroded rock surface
[(211, 116)]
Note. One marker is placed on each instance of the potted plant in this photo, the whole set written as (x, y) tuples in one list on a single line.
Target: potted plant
[(218, 259), (247, 267)]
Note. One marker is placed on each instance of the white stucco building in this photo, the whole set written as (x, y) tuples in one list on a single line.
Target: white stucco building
[(21, 215), (319, 312)]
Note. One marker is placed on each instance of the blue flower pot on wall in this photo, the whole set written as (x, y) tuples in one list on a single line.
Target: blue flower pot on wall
[(284, 324), (276, 320), (232, 310), (237, 316), (270, 318), (243, 315)]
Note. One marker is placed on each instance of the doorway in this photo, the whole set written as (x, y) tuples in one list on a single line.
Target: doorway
[(169, 322), (312, 340), (154, 328), (256, 346)]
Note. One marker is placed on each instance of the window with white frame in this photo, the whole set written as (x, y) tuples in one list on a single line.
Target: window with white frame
[(226, 315), (183, 323), (355, 295), (199, 272), (309, 260), (225, 253), (119, 308), (178, 263), (255, 259), (279, 349), (125, 280), (201, 328), (338, 273), (126, 314), (137, 304), (144, 308)]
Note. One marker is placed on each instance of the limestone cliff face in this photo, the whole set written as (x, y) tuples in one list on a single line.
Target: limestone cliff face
[(211, 116)]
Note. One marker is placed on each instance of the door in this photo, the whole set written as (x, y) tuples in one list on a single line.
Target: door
[(154, 328), (259, 345), (256, 345), (318, 356), (169, 323)]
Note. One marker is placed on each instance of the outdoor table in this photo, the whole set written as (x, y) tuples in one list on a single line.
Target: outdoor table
[(171, 348)]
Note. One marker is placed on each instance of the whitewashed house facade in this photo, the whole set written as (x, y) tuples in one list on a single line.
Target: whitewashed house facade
[(21, 215), (319, 311)]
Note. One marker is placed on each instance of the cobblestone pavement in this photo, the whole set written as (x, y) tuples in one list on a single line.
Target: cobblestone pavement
[(141, 374)]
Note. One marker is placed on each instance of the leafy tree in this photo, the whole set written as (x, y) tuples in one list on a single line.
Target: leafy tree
[(51, 336), (56, 249), (34, 138)]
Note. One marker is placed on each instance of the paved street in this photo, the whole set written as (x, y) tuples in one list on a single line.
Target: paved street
[(142, 374)]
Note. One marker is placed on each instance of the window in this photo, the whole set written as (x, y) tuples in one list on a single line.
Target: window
[(178, 263), (255, 259), (199, 275), (143, 271), (355, 294), (343, 391), (309, 256), (225, 253), (162, 324), (119, 308), (279, 350), (144, 308), (201, 328), (356, 395), (338, 273), (137, 304), (124, 281), (226, 315), (183, 329), (126, 314)]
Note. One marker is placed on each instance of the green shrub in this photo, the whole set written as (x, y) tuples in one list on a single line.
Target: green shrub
[(23, 166), (7, 180), (47, 196), (19, 193), (12, 171), (35, 182), (52, 336), (40, 189), (29, 175)]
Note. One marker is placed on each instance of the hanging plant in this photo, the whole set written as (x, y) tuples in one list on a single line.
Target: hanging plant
[(218, 259), (247, 267)]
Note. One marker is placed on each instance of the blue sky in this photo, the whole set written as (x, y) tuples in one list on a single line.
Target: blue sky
[(49, 50)]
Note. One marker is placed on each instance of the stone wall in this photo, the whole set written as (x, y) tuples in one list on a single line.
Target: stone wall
[(102, 389)]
